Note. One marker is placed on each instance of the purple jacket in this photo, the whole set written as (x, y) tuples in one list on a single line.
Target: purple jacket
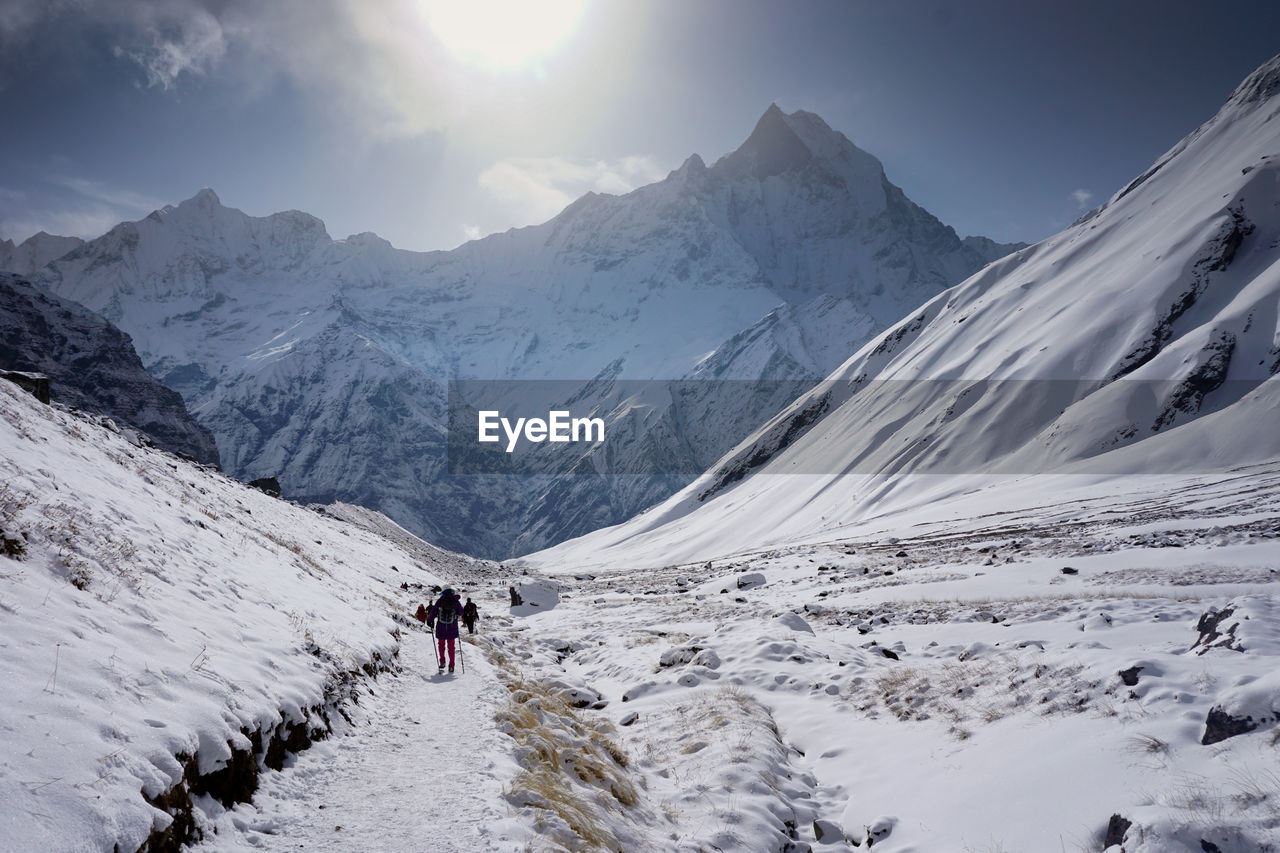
[(446, 630)]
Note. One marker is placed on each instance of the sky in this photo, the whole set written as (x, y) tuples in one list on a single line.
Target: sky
[(431, 122)]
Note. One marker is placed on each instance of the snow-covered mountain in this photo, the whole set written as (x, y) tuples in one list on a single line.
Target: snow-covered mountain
[(1143, 339), (91, 365), (34, 252), (323, 362)]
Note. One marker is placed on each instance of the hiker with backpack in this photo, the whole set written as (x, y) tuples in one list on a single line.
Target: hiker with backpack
[(469, 615), (443, 619)]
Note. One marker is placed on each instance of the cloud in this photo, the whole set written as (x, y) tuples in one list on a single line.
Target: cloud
[(192, 43), (374, 66), (534, 189), (1081, 198), (78, 208), (115, 197)]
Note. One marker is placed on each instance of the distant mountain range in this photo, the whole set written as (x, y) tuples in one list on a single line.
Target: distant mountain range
[(325, 362)]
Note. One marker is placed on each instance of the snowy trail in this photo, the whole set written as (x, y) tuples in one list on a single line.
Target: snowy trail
[(423, 768)]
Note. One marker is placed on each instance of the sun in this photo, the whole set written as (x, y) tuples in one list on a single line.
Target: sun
[(502, 35)]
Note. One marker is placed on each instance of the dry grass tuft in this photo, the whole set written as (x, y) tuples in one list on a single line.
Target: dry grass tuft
[(571, 767)]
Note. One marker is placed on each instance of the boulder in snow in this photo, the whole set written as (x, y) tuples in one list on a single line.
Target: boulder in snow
[(706, 658), (1252, 704), (794, 622), (678, 655), (828, 832), (533, 595)]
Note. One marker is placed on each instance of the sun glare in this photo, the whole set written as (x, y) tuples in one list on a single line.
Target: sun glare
[(502, 35)]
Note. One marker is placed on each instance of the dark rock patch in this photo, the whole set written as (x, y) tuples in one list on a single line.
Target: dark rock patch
[(1212, 632), (35, 384), (270, 485), (1219, 725), (1116, 829)]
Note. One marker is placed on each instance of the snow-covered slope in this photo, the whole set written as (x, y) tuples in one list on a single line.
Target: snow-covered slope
[(1143, 339), (91, 365), (280, 338), (168, 635)]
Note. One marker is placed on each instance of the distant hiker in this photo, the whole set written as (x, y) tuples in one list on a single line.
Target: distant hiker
[(404, 585), (421, 615), (443, 616), (469, 615)]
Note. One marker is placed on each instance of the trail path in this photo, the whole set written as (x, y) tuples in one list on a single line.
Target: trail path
[(422, 770)]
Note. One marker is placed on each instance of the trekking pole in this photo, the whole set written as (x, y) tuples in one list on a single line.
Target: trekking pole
[(462, 662)]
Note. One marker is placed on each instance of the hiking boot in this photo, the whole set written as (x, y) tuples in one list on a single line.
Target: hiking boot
[(450, 668)]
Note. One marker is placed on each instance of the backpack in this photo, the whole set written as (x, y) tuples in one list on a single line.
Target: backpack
[(447, 610), (421, 615)]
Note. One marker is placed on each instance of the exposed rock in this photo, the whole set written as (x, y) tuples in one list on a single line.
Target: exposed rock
[(1213, 634), (1130, 676), (828, 831), (750, 580), (270, 485), (91, 365), (35, 384), (1116, 828), (1219, 725), (236, 778), (1207, 376)]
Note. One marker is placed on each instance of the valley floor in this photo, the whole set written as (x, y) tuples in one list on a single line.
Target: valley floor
[(1043, 679), (1008, 680)]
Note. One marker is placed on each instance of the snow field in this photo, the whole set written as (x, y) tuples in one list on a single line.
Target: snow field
[(939, 683)]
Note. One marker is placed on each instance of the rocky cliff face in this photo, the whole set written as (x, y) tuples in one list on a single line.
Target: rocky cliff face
[(325, 362), (92, 366)]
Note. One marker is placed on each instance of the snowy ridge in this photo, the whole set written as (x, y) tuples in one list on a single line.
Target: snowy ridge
[(1143, 339), (34, 252), (276, 335)]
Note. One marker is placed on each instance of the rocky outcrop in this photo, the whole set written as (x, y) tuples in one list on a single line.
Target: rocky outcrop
[(91, 365)]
